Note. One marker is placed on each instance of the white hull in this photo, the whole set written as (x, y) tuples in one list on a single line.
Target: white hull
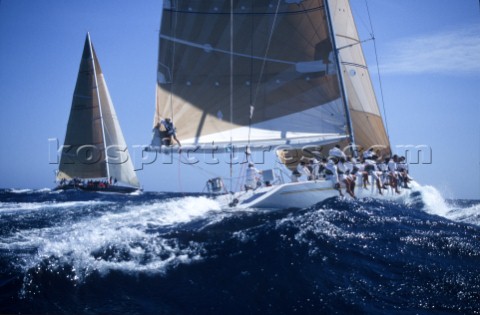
[(303, 195)]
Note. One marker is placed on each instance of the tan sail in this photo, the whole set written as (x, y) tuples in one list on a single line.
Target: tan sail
[(369, 130), (94, 145), (216, 61), (367, 125)]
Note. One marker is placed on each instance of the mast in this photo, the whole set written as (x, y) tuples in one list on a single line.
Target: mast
[(99, 105), (340, 78)]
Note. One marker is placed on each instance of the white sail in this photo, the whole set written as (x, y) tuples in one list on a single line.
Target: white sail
[(94, 145)]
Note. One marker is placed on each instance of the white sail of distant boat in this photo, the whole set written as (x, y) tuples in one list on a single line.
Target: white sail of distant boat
[(94, 151), (287, 74)]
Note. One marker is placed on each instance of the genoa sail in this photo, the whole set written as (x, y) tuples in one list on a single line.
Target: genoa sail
[(263, 72), (367, 124), (94, 145)]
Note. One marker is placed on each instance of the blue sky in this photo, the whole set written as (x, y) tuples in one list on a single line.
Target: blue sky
[(428, 54)]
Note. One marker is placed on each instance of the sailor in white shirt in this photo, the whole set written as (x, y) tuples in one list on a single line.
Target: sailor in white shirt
[(252, 177), (302, 168), (383, 171), (332, 174), (402, 169), (392, 173), (343, 176), (315, 166), (336, 152), (371, 169), (368, 154)]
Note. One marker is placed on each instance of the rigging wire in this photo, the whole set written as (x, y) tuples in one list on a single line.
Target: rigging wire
[(180, 186), (179, 175), (231, 90), (378, 69), (262, 68), (257, 89)]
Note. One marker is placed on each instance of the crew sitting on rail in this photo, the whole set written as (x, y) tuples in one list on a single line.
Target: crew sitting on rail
[(332, 174), (372, 170), (384, 172), (392, 172), (314, 167), (303, 170), (402, 169), (343, 176), (336, 152), (351, 172), (368, 154)]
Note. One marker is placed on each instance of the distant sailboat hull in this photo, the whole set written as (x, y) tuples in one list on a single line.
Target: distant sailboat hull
[(104, 189)]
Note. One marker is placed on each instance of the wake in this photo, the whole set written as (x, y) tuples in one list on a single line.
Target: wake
[(431, 201)]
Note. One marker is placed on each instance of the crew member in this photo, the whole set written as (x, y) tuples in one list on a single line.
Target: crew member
[(252, 177), (171, 130)]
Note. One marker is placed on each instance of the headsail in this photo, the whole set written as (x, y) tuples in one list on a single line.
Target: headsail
[(216, 61), (367, 123), (94, 145)]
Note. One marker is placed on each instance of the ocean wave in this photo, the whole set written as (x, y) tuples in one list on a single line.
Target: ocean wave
[(337, 253), (127, 238), (19, 191), (468, 212), (6, 207)]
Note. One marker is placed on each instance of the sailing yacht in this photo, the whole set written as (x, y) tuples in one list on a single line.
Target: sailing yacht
[(283, 76), (94, 155)]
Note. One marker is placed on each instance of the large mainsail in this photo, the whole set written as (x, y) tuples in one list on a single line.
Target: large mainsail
[(220, 59), (217, 61), (94, 145)]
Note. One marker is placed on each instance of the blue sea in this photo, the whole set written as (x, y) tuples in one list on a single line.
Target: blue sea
[(164, 253)]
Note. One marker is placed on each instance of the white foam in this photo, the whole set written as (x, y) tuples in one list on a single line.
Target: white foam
[(468, 215), (186, 209), (433, 200), (43, 190), (127, 239), (35, 206), (434, 203), (20, 191)]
